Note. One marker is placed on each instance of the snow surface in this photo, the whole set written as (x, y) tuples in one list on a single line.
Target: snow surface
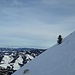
[(19, 60), (6, 59), (57, 60)]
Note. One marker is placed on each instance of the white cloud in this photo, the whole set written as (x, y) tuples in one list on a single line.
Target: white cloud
[(58, 1), (15, 2), (38, 30)]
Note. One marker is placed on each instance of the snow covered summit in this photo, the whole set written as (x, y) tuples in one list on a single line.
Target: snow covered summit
[(58, 60)]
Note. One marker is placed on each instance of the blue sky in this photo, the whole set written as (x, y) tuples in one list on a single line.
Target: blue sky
[(35, 23)]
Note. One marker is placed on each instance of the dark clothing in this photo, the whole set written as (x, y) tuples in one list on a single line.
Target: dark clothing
[(59, 39)]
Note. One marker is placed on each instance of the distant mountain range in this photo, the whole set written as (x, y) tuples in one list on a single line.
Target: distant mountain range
[(17, 57)]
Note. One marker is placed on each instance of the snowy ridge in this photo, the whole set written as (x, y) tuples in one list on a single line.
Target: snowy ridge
[(6, 59), (57, 60)]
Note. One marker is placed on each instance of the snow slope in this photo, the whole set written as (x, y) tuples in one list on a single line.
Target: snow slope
[(57, 60)]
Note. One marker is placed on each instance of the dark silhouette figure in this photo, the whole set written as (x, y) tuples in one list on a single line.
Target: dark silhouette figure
[(59, 41)]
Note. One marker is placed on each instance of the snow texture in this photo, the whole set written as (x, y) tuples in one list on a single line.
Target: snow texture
[(6, 59), (57, 60)]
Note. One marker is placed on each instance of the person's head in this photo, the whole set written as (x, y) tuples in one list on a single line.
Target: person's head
[(60, 36)]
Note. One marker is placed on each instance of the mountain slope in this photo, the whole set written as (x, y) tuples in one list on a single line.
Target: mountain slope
[(58, 60)]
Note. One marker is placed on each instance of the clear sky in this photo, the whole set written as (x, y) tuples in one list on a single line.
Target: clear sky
[(35, 23)]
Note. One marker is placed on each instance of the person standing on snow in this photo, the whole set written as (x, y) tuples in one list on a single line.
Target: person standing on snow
[(59, 41)]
